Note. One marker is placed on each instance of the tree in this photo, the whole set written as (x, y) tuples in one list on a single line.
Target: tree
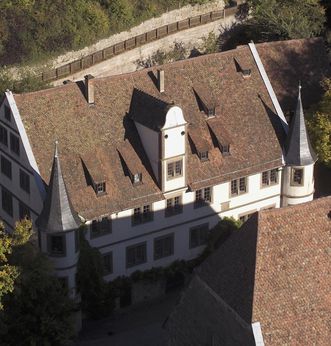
[(319, 126), (287, 19), (96, 299), (38, 311)]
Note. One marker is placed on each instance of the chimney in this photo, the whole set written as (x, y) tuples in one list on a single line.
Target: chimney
[(89, 89), (160, 80)]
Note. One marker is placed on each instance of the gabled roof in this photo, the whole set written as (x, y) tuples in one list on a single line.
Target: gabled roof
[(276, 270), (299, 151), (121, 101), (58, 214)]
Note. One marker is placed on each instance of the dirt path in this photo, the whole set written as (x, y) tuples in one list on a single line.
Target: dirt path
[(126, 62)]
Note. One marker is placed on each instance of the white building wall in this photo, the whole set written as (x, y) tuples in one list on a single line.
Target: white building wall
[(124, 234), (25, 161), (150, 141)]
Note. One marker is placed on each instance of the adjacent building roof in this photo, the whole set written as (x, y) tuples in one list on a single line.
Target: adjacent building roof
[(299, 151), (276, 270), (288, 62), (202, 318), (58, 214), (62, 113)]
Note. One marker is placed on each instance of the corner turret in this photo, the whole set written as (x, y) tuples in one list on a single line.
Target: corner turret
[(298, 179)]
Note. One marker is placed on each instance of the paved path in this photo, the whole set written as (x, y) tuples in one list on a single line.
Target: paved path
[(126, 62), (139, 326)]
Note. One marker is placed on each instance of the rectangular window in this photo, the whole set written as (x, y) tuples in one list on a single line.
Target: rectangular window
[(245, 217), (164, 246), (77, 241), (107, 261), (203, 155), (136, 254), (175, 169), (7, 202), (297, 176), (24, 211), (202, 197), (6, 167), (24, 181), (174, 206), (3, 136), (7, 113), (225, 149), (269, 177), (14, 144), (100, 188), (142, 214), (100, 227), (56, 245), (238, 186), (199, 235)]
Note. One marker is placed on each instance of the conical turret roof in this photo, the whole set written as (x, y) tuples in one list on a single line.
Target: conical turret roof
[(299, 151), (58, 214)]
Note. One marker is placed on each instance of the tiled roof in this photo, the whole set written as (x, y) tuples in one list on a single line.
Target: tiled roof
[(288, 62), (276, 270), (202, 318), (62, 113)]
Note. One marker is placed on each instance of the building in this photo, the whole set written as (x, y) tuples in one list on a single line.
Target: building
[(268, 283), (151, 160)]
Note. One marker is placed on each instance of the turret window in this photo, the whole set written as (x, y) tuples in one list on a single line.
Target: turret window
[(175, 169), (297, 176), (56, 245)]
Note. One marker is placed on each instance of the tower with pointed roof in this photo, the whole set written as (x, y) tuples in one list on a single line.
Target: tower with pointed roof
[(58, 226), (300, 158)]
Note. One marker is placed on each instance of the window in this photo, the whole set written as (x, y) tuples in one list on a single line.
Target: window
[(174, 206), (7, 202), (297, 176), (225, 149), (142, 214), (203, 155), (107, 261), (6, 167), (100, 188), (199, 235), (77, 240), (164, 246), (269, 177), (202, 197), (238, 186), (245, 217), (3, 136), (25, 181), (14, 144), (24, 211), (135, 255), (56, 245), (175, 169), (7, 113), (136, 178), (100, 227)]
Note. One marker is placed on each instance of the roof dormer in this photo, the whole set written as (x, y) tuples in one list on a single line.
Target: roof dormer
[(206, 100), (220, 137), (200, 143), (131, 162), (94, 173), (243, 69)]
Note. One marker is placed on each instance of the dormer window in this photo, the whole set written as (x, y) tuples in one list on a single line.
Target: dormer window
[(203, 156), (136, 178), (100, 188), (225, 149), (246, 73), (211, 112)]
